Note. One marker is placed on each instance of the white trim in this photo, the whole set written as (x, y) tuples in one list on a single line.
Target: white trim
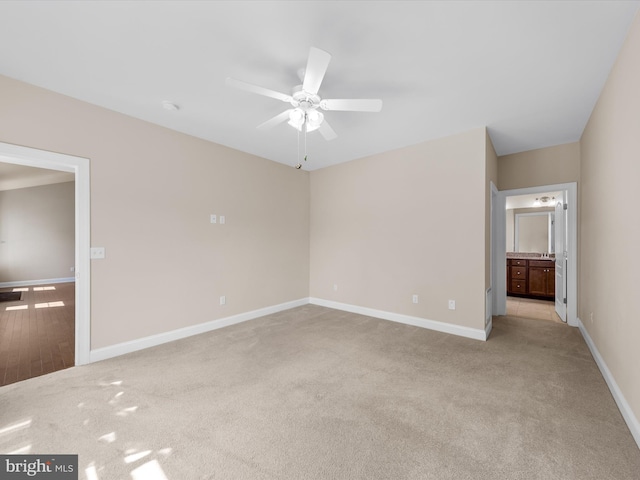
[(499, 241), (623, 405), (461, 331), (29, 283), (493, 249), (488, 321), (32, 157), (160, 338), (487, 329), (572, 246)]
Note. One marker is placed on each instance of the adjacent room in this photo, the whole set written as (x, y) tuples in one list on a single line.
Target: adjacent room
[(37, 277), (309, 239)]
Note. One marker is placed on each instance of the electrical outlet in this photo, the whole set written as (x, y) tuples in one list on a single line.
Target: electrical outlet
[(72, 269), (97, 252), (223, 300), (335, 287), (223, 220), (213, 219), (415, 299), (452, 304)]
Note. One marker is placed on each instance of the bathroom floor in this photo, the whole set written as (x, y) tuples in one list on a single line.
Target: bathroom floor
[(534, 309)]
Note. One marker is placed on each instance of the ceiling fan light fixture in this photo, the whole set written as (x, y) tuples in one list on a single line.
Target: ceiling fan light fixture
[(296, 118), (314, 119)]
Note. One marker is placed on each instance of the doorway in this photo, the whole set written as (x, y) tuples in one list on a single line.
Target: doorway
[(568, 259), (79, 166), (37, 265)]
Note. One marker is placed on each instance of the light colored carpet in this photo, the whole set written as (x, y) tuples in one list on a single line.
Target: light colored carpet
[(315, 393)]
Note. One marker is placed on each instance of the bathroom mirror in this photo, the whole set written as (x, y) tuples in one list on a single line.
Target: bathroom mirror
[(534, 232)]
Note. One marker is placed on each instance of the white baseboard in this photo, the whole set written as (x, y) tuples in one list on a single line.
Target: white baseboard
[(154, 340), (488, 327), (623, 405), (29, 283), (468, 332)]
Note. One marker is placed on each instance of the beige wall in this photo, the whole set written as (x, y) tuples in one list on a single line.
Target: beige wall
[(152, 191), (37, 228), (401, 223), (544, 166), (609, 226)]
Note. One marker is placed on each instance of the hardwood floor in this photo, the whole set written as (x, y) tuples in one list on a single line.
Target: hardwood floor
[(37, 333)]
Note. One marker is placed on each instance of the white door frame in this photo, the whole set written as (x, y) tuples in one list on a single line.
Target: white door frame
[(32, 157), (500, 244)]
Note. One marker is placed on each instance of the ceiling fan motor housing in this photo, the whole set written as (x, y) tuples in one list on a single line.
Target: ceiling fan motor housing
[(304, 100)]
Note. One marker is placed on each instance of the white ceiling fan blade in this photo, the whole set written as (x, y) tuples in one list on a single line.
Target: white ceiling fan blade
[(352, 105), (326, 131), (259, 90), (281, 117), (316, 68)]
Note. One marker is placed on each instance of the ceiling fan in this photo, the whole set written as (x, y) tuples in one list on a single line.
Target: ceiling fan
[(305, 114)]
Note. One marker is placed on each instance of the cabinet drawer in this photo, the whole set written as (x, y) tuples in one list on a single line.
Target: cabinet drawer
[(517, 262), (518, 273), (518, 286), (542, 263)]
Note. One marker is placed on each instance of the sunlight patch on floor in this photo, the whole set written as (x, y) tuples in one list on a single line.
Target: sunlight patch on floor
[(15, 446), (108, 437), (149, 471), (17, 307), (134, 457), (92, 473), (49, 304), (15, 426)]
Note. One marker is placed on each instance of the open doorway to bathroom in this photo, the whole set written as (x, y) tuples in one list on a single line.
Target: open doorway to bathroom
[(535, 232), (531, 255)]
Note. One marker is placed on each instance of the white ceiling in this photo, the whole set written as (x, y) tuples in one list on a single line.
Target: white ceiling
[(530, 71)]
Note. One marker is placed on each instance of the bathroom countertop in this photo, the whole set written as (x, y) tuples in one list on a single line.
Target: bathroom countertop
[(530, 256)]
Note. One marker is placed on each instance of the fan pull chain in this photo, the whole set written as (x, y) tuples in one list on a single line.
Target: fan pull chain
[(305, 137), (298, 165)]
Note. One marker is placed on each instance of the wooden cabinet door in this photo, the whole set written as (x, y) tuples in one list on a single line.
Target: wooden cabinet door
[(551, 282), (538, 281)]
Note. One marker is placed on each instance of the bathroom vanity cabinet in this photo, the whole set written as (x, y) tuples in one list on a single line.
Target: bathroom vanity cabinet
[(533, 278)]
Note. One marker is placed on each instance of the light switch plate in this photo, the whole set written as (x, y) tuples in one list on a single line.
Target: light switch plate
[(97, 253)]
